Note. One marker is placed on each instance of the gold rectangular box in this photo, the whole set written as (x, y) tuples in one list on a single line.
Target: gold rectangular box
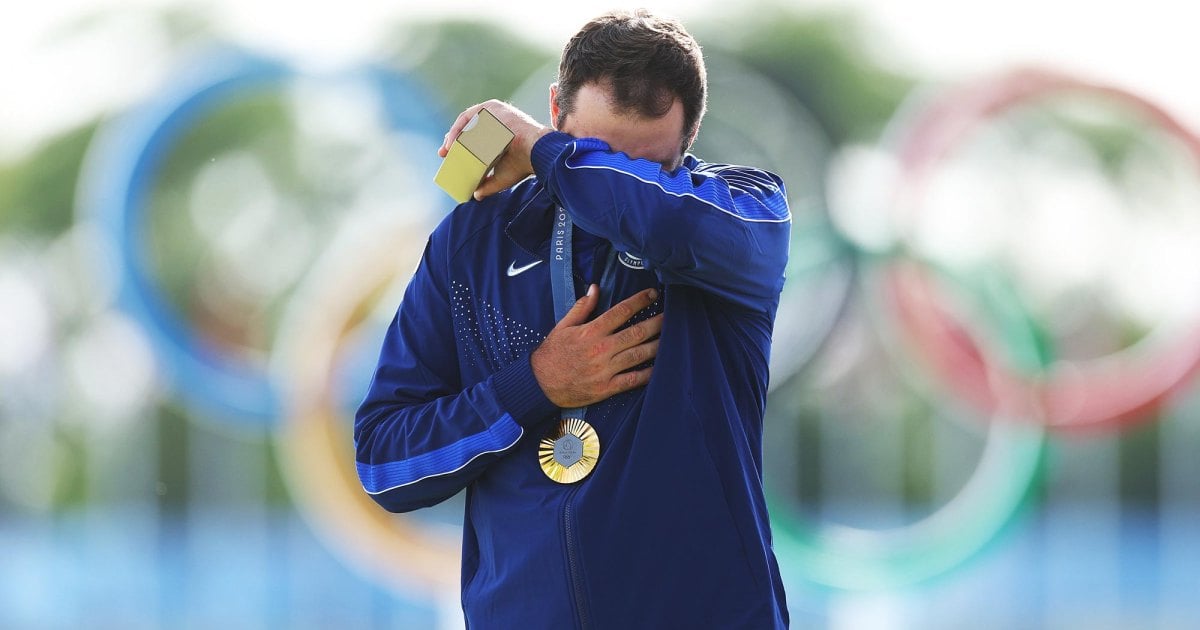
[(472, 155)]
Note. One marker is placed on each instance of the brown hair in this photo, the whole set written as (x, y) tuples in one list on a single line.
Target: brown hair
[(646, 62)]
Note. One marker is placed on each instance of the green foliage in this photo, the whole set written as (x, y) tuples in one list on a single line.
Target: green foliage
[(70, 461), (822, 60), (172, 486), (466, 62), (276, 490), (37, 194)]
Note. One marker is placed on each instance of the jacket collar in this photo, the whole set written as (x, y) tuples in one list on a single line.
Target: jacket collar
[(530, 227)]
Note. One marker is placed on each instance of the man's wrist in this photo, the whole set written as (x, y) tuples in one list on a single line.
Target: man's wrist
[(521, 395), (530, 139), (546, 150)]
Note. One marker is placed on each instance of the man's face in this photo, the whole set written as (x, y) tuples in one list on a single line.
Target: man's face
[(657, 139)]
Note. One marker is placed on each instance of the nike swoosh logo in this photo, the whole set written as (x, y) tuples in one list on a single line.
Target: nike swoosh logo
[(514, 270)]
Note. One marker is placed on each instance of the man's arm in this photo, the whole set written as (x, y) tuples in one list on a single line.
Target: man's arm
[(724, 229), (419, 436)]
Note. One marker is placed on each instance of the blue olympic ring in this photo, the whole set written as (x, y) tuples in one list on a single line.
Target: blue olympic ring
[(118, 174)]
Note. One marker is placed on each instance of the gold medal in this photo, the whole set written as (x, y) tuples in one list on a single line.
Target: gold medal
[(570, 452)]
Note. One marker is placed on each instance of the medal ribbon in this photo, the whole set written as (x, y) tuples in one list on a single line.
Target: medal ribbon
[(562, 280)]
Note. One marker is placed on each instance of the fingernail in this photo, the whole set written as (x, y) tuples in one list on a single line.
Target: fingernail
[(591, 290), (653, 294)]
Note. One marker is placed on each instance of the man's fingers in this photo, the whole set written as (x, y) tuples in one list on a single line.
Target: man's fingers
[(457, 127), (464, 119), (636, 355), (580, 364), (500, 179), (627, 308), (626, 381), (580, 311), (485, 187), (639, 332)]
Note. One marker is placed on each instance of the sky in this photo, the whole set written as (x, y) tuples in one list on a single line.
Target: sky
[(52, 81)]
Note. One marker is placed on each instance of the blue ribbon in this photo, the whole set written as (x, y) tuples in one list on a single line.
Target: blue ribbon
[(562, 280)]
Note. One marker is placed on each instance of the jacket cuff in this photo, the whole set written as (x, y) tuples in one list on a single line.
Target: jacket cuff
[(520, 395), (546, 150)]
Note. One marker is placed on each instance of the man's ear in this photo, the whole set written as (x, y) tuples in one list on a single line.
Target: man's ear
[(554, 105), (690, 140)]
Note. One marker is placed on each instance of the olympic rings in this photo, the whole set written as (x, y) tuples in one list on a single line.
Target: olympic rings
[(118, 173), (362, 269), (1120, 388)]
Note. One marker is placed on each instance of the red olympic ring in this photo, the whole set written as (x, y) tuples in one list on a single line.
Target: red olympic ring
[(1120, 388)]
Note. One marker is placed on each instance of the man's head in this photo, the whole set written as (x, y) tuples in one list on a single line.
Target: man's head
[(642, 72)]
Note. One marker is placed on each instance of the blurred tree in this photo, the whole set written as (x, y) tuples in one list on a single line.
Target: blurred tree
[(465, 62), (821, 59), (37, 193), (180, 25)]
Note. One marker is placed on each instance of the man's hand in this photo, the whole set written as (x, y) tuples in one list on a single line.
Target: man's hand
[(583, 362), (515, 164)]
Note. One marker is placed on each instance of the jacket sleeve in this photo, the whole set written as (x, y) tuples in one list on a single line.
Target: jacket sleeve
[(420, 435), (724, 229)]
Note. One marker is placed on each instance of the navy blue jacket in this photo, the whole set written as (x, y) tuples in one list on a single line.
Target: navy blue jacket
[(670, 530)]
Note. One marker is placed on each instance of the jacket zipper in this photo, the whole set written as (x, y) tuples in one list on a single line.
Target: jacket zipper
[(573, 572)]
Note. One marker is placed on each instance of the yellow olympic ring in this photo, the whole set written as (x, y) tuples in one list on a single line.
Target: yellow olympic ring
[(359, 271)]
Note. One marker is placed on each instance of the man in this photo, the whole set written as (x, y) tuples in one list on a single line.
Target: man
[(612, 464)]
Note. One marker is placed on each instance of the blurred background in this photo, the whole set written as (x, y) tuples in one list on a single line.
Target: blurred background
[(985, 405)]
